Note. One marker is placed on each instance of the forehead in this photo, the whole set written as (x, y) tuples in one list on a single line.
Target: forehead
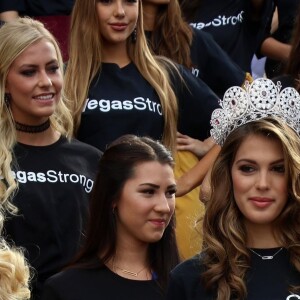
[(39, 52), (152, 170), (260, 148)]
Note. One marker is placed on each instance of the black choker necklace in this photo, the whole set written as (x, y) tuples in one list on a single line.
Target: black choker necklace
[(32, 128)]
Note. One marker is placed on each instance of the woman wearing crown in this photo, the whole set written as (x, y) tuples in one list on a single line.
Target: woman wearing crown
[(251, 228)]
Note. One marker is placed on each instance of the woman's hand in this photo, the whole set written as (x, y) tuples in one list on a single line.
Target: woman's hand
[(197, 147)]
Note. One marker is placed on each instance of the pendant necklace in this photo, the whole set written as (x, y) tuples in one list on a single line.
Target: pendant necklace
[(266, 257), (128, 272)]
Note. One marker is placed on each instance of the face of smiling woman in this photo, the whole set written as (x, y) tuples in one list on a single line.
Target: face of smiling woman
[(146, 204), (34, 82), (117, 19), (260, 180)]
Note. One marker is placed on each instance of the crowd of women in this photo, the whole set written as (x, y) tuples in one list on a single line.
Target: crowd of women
[(102, 155)]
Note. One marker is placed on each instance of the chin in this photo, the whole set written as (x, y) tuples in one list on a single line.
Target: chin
[(155, 238)]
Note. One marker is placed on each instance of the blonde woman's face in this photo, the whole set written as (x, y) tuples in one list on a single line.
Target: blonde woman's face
[(259, 180), (117, 19), (34, 82)]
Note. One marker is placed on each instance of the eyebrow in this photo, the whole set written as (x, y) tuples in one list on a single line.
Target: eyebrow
[(254, 162), (33, 65), (155, 186)]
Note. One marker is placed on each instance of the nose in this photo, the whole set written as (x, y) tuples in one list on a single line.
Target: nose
[(119, 9), (44, 80), (263, 180), (163, 204)]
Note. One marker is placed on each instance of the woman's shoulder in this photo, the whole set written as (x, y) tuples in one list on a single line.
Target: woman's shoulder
[(72, 283), (78, 148), (74, 274), (190, 268)]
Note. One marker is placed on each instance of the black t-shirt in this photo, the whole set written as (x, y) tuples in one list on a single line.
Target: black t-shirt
[(213, 65), (120, 101), (38, 7), (287, 12), (232, 26), (266, 279), (196, 102), (98, 283), (55, 182)]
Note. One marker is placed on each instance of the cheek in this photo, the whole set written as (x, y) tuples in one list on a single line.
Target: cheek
[(172, 206), (58, 83), (238, 183), (15, 85)]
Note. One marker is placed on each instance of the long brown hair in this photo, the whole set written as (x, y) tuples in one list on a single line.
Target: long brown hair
[(226, 257), (171, 35)]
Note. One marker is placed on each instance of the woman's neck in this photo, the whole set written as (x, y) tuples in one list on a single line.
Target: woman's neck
[(131, 260), (45, 138), (132, 251), (261, 236), (149, 16), (117, 54)]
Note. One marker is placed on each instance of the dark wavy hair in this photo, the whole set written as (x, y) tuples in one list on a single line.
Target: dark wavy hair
[(226, 257), (115, 168)]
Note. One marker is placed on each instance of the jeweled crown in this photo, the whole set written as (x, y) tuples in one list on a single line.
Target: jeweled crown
[(262, 98)]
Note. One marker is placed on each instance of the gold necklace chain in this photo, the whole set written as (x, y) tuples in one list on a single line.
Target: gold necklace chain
[(266, 257), (128, 272)]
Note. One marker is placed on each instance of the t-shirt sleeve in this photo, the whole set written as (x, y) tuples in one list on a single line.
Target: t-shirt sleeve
[(175, 289), (196, 102), (217, 69), (261, 24), (49, 293), (8, 5)]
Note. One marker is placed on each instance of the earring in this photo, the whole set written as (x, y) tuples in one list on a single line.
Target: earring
[(134, 35), (7, 98)]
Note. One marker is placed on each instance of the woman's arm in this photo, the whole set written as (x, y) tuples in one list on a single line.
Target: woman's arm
[(8, 15), (195, 176)]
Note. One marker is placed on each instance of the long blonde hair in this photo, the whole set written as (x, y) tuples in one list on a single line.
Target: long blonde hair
[(85, 62), (226, 257), (15, 274), (15, 37)]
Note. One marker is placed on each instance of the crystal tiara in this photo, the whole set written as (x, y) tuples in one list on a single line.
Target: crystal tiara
[(262, 98)]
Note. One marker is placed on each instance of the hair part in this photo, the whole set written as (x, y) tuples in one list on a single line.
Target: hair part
[(226, 256)]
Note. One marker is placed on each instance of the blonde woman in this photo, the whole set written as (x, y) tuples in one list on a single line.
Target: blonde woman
[(54, 173)]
